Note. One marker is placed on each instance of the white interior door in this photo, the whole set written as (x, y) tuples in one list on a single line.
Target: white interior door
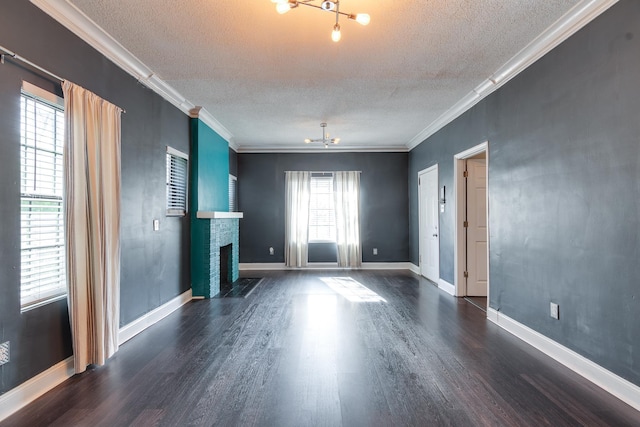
[(428, 223), (477, 227)]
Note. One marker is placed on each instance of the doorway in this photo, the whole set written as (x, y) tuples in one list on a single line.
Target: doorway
[(429, 245), (472, 220)]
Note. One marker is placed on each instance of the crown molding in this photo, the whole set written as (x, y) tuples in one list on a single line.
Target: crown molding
[(576, 18), (201, 113), (84, 27), (320, 149)]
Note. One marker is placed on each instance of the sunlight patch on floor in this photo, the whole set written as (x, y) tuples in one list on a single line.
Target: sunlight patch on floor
[(352, 290)]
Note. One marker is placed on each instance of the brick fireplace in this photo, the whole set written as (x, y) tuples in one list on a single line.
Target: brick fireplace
[(213, 231)]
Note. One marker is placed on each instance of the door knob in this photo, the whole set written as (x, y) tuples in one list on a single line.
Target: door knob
[(435, 235)]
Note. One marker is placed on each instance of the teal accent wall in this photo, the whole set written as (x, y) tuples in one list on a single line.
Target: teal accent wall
[(210, 169), (209, 192)]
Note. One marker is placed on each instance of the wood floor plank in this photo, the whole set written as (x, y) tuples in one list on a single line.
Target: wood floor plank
[(297, 353)]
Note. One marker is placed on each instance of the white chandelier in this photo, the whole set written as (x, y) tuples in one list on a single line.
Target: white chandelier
[(326, 138), (284, 6)]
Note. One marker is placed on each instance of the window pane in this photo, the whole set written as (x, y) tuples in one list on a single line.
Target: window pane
[(42, 248), (321, 213)]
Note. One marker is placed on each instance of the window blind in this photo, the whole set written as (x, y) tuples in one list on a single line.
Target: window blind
[(43, 269), (177, 179), (321, 210), (233, 194)]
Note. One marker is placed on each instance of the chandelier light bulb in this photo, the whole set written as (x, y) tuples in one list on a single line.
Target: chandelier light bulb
[(363, 18), (335, 35), (283, 7), (332, 6), (326, 138)]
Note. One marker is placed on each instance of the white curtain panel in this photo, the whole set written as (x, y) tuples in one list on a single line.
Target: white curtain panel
[(298, 189), (92, 209), (347, 206)]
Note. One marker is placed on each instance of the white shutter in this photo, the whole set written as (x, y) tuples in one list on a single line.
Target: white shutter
[(177, 180), (42, 249)]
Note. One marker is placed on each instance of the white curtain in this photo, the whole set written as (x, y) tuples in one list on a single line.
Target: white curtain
[(92, 209), (298, 188), (347, 206)]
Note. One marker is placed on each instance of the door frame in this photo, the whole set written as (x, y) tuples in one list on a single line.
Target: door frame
[(421, 229), (460, 254)]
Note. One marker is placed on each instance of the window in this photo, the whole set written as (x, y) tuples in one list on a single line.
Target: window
[(322, 221), (177, 179), (233, 193), (42, 243)]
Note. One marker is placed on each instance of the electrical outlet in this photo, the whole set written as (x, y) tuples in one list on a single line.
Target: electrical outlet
[(270, 251), (554, 310), (156, 224), (4, 353), (375, 251)]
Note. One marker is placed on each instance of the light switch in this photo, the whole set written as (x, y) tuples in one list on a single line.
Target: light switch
[(156, 224)]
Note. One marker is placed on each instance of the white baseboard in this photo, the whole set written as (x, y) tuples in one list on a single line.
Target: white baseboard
[(607, 380), (19, 397), (414, 268), (447, 287), (250, 266), (386, 266), (329, 266), (140, 324)]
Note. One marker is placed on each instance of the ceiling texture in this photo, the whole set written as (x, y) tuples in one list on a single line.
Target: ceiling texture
[(266, 81)]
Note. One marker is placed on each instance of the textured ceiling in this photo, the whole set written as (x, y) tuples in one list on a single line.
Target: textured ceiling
[(271, 79)]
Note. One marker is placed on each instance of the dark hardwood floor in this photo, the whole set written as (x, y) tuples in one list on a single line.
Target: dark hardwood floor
[(295, 353)]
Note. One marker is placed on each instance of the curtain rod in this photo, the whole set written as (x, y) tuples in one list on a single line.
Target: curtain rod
[(6, 52)]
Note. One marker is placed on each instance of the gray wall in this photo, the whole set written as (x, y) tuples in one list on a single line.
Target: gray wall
[(233, 162), (154, 264), (564, 168), (383, 202)]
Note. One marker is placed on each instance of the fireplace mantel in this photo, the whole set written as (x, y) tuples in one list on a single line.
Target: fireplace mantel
[(218, 215)]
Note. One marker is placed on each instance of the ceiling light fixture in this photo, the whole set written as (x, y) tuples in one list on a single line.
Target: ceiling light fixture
[(284, 6), (326, 139)]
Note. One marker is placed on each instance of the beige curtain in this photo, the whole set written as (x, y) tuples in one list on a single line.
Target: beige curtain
[(298, 196), (347, 207), (92, 209)]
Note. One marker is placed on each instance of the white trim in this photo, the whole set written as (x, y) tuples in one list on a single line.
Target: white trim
[(470, 152), (174, 152), (329, 266), (572, 21), (341, 148), (607, 380), (84, 27), (42, 94), (447, 287), (414, 268), (140, 324), (420, 248), (460, 207), (251, 266), (20, 396), (218, 215), (201, 113), (386, 265)]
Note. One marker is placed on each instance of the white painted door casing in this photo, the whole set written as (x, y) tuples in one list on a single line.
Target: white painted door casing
[(429, 224)]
